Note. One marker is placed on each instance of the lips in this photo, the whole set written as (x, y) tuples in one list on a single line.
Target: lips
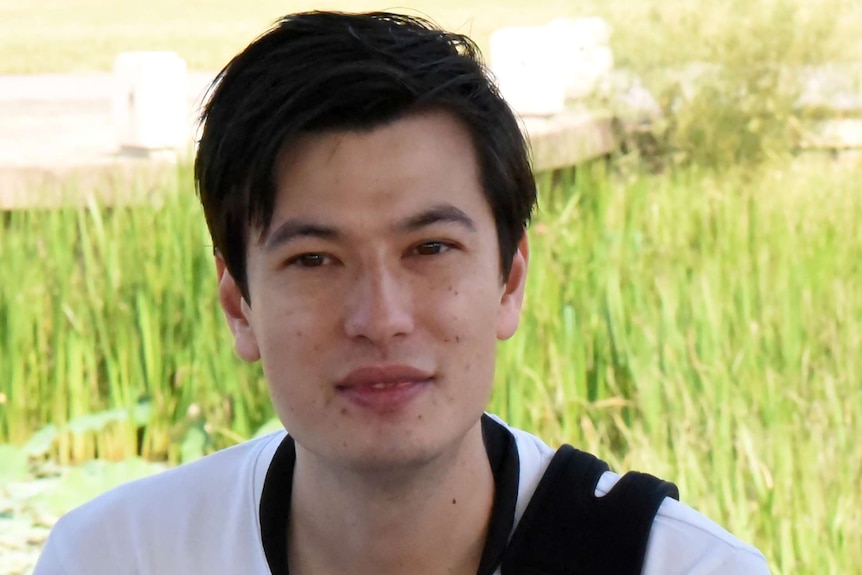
[(384, 388)]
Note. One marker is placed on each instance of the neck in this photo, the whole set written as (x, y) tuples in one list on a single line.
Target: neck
[(430, 518)]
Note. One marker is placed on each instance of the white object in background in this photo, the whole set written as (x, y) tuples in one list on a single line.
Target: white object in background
[(582, 50), (150, 104), (526, 72)]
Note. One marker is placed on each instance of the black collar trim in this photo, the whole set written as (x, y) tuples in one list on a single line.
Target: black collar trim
[(502, 456), (275, 506)]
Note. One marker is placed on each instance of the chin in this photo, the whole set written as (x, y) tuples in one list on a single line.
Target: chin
[(397, 454), (405, 452)]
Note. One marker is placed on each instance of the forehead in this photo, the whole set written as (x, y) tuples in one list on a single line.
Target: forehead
[(425, 156)]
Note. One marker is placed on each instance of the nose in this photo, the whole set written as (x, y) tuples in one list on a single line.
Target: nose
[(379, 306)]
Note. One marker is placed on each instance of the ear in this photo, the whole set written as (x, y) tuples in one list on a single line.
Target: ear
[(237, 312), (512, 298)]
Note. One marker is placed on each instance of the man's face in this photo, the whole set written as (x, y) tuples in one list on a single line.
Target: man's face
[(376, 296)]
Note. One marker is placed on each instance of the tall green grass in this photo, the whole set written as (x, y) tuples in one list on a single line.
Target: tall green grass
[(708, 328), (111, 333), (705, 327)]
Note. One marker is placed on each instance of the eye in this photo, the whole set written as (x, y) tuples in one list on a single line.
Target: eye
[(432, 248), (308, 260)]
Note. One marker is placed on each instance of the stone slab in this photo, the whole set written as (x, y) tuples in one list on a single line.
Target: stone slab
[(58, 146), (569, 138), (836, 134)]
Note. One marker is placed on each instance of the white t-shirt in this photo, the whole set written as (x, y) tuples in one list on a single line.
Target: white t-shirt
[(204, 517)]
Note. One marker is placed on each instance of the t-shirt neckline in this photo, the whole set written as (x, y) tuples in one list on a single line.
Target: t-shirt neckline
[(502, 456)]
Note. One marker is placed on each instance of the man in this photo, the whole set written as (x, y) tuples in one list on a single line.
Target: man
[(367, 192)]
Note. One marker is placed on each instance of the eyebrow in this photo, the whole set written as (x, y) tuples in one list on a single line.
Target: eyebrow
[(443, 213), (294, 229)]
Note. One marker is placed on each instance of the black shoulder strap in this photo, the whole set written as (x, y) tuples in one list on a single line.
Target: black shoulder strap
[(567, 530)]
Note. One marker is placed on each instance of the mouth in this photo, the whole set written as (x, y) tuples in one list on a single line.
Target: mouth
[(386, 388), (390, 385)]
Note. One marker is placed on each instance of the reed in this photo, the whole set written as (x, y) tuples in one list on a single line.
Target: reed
[(703, 327)]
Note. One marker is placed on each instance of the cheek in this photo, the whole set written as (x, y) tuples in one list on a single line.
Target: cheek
[(291, 349), (466, 319), (280, 327)]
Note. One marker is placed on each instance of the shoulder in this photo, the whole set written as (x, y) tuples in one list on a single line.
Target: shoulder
[(156, 515), (681, 540), (182, 487), (684, 541)]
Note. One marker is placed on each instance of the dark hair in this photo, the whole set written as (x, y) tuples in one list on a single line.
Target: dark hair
[(318, 71)]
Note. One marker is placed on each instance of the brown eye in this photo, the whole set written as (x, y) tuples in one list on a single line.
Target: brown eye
[(308, 260), (431, 248)]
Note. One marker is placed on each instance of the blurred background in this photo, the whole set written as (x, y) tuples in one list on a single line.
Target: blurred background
[(694, 307)]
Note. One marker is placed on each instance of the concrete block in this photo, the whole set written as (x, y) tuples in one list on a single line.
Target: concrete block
[(539, 67), (150, 101), (581, 47), (526, 72), (835, 134)]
